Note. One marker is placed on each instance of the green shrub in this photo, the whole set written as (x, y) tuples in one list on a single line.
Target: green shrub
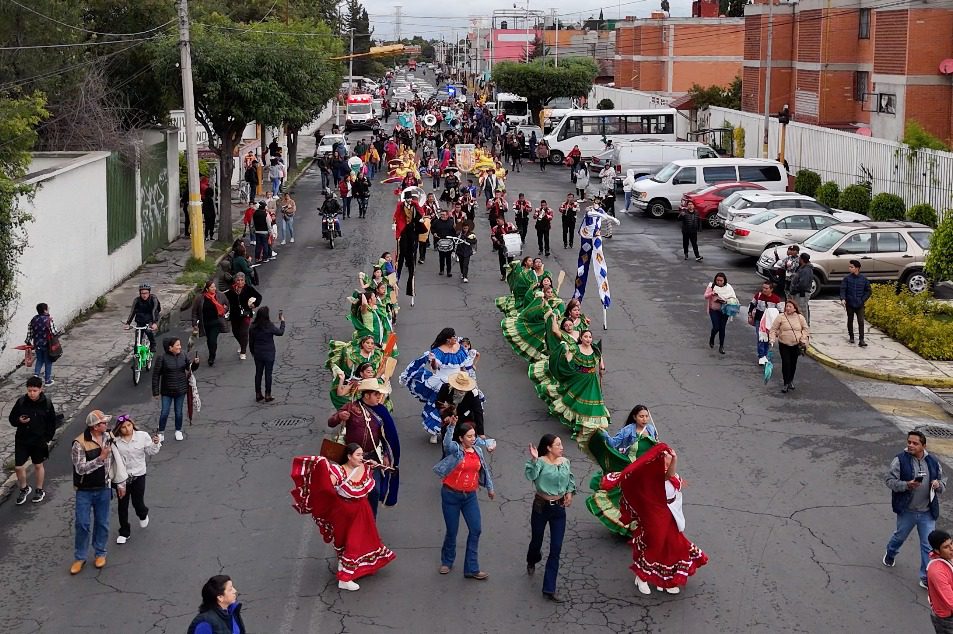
[(939, 263), (806, 182), (884, 207), (605, 104), (855, 198), (924, 214), (828, 194), (917, 321)]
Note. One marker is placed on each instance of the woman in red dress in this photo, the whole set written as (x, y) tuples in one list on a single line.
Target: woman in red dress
[(661, 554), (336, 497)]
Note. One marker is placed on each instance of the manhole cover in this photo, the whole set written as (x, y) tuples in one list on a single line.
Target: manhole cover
[(935, 431), (290, 421)]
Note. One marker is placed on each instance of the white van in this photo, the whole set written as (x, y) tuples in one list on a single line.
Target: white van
[(646, 158), (662, 194)]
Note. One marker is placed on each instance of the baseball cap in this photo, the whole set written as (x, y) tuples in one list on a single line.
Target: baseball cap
[(95, 417)]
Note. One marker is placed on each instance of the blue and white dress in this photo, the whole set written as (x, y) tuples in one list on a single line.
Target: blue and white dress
[(424, 382)]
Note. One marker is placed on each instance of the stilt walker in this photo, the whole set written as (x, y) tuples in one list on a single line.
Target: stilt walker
[(590, 249), (407, 227)]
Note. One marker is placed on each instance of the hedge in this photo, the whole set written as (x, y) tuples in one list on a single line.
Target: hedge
[(885, 207), (917, 321), (828, 194), (806, 182), (855, 198), (924, 214)]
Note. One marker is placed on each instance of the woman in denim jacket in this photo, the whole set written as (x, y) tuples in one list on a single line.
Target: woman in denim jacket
[(463, 470)]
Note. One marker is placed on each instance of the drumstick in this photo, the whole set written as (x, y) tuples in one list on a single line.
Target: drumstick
[(559, 281)]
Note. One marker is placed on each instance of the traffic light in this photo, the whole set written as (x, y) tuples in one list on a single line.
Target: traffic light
[(784, 117)]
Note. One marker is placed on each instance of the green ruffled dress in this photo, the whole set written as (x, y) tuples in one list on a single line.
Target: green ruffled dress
[(579, 406), (604, 505), (527, 332)]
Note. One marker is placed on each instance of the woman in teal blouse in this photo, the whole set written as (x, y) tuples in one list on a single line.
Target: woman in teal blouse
[(555, 485)]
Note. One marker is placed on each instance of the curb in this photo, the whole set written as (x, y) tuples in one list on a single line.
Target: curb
[(902, 379)]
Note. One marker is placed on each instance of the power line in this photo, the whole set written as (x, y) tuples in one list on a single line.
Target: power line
[(36, 46), (81, 29), (28, 80)]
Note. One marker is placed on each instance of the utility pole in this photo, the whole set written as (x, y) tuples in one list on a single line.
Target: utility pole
[(556, 20), (526, 28), (350, 64), (196, 222), (767, 81), (397, 9)]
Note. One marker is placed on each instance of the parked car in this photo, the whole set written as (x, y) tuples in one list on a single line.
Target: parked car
[(748, 204), (662, 193), (887, 251), (768, 229), (647, 157), (706, 199), (328, 141), (527, 130)]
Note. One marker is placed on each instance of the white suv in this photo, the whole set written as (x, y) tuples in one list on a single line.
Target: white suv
[(749, 203)]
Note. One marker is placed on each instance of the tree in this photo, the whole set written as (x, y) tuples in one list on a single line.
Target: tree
[(539, 80), (939, 262), (715, 95), (19, 119), (270, 72)]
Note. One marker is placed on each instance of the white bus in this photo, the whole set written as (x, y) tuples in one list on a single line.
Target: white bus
[(514, 108), (590, 129)]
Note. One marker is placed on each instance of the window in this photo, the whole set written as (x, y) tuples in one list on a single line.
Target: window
[(719, 174), (614, 124), (922, 238), (685, 177), (891, 242), (591, 125), (824, 221), (857, 243), (572, 127), (861, 79), (812, 204), (759, 173), (863, 30), (633, 125), (798, 223)]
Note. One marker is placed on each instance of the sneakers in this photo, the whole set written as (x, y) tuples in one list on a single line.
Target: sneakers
[(348, 585), (144, 522), (923, 584), (699, 258), (466, 281), (242, 356), (50, 382), (850, 339), (762, 360), (122, 540), (76, 567), (179, 435), (433, 441), (862, 344), (888, 560), (100, 561), (25, 492), (39, 496), (292, 241)]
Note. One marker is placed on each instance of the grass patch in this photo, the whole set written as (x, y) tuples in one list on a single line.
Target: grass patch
[(196, 272), (917, 321), (96, 307)]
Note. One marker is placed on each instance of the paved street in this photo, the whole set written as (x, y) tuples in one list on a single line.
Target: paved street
[(785, 492)]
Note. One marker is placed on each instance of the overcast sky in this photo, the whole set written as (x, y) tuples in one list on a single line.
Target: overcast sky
[(433, 20)]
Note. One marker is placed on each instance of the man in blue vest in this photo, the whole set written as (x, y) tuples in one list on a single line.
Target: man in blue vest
[(915, 481)]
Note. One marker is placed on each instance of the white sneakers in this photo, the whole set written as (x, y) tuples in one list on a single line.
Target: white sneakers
[(348, 585), (674, 590), (241, 356), (121, 539), (292, 241), (433, 439), (179, 435), (144, 522), (642, 586), (283, 242), (762, 360), (161, 437)]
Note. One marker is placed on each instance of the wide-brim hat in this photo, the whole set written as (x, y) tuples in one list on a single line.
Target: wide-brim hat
[(374, 385), (462, 381)]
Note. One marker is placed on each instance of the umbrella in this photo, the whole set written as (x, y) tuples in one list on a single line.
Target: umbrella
[(768, 367)]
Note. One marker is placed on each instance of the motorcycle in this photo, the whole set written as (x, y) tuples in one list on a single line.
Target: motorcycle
[(330, 226)]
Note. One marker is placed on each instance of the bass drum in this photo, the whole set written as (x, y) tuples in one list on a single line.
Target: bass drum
[(445, 245)]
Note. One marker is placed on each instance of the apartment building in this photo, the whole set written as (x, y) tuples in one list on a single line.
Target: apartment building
[(597, 43), (664, 54), (867, 66)]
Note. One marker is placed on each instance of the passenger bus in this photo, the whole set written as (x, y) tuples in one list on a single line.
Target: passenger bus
[(552, 116), (514, 108), (590, 129)]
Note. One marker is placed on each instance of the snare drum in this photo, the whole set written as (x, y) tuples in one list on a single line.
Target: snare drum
[(513, 244), (445, 245)]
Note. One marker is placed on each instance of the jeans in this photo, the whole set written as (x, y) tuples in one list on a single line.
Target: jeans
[(167, 402), (286, 228), (628, 200), (135, 493), (789, 355), (263, 367), (261, 245), (542, 237), (718, 322), (555, 516), (275, 186), (453, 505), (325, 180), (905, 523), (95, 501), (763, 346), (690, 238), (569, 231), (435, 182), (43, 361), (346, 204), (859, 311)]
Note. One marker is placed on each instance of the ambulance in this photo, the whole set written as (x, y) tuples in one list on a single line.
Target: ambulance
[(359, 113)]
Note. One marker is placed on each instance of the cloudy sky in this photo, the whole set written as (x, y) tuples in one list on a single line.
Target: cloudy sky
[(432, 20)]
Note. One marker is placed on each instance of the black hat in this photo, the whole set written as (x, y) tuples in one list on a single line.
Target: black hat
[(408, 195)]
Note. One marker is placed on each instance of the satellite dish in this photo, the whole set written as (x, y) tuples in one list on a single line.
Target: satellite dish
[(946, 67)]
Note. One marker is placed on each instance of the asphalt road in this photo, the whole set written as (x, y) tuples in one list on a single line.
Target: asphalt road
[(785, 491)]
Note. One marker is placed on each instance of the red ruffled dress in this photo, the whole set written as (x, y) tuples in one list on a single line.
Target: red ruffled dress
[(342, 513), (661, 554)]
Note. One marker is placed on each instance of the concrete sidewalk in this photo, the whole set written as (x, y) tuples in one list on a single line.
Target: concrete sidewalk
[(883, 358)]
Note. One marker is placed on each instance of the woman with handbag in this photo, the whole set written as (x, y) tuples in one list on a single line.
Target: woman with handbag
[(44, 337), (719, 294), (209, 317), (791, 332)]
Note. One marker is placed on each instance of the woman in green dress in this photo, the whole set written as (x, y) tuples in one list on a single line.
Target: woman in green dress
[(558, 331), (574, 313), (531, 279), (366, 318), (527, 332), (517, 283), (578, 369)]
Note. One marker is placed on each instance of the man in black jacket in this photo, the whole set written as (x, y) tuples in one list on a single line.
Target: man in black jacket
[(855, 290), (801, 285), (443, 227), (34, 418), (690, 225)]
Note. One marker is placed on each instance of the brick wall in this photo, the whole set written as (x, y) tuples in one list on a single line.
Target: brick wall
[(929, 40), (930, 106), (890, 45), (809, 36), (752, 43)]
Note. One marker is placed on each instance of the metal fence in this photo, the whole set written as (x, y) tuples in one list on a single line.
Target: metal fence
[(919, 177), (120, 202), (154, 193)]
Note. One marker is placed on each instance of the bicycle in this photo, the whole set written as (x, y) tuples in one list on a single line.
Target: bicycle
[(142, 355)]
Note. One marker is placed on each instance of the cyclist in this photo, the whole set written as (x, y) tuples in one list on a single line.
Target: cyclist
[(145, 310)]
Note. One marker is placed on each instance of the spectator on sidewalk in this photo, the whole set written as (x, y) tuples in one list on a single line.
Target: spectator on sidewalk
[(802, 283), (782, 273), (286, 222), (170, 382), (220, 610), (855, 290), (690, 224), (251, 177), (940, 581), (208, 212), (763, 300), (276, 172), (38, 335), (792, 335), (34, 418), (95, 470), (133, 446), (916, 482)]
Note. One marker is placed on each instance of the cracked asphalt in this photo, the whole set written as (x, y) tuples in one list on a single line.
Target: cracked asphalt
[(785, 492)]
